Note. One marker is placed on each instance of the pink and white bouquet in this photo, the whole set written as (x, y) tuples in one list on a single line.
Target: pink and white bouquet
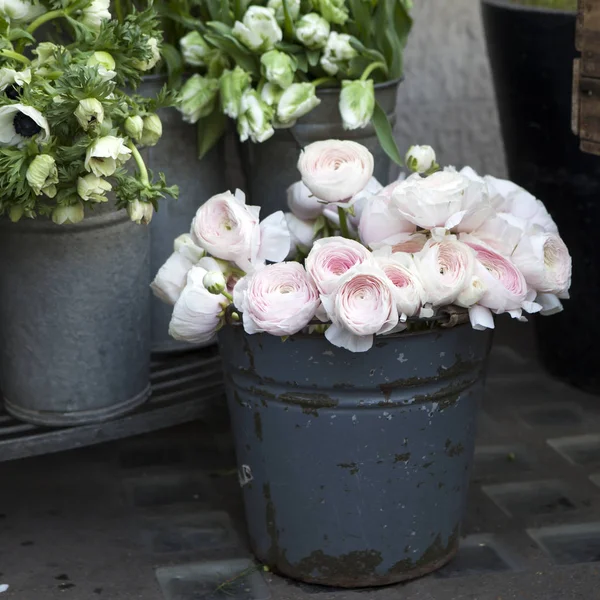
[(355, 259)]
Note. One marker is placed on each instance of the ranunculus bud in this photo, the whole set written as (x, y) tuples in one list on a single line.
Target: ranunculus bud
[(89, 111), (42, 175), (420, 158), (214, 282), (357, 103), (254, 121), (278, 68), (194, 49), (93, 188), (68, 215), (334, 11), (152, 130), (134, 126), (312, 30), (258, 30), (232, 85), (140, 212), (105, 155), (298, 100), (337, 54), (149, 63), (197, 97), (277, 7)]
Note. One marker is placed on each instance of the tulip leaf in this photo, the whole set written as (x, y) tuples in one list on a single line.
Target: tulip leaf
[(18, 34), (210, 130), (370, 53), (361, 15), (236, 51), (385, 135), (302, 62), (174, 64), (214, 9), (225, 15), (288, 25), (289, 48), (219, 27), (313, 57)]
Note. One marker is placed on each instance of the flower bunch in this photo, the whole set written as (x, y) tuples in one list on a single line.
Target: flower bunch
[(364, 259), (67, 127)]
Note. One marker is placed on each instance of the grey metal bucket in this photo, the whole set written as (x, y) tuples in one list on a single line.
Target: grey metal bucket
[(270, 167), (74, 318), (176, 156), (354, 467)]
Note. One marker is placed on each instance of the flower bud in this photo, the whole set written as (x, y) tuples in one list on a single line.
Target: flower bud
[(255, 117), (93, 188), (149, 63), (277, 7), (420, 159), (134, 126), (232, 85), (184, 244), (214, 282), (88, 112), (357, 103), (152, 130), (334, 11), (105, 63), (194, 49), (15, 213), (46, 53), (68, 214), (337, 54), (42, 175), (140, 212), (258, 30), (298, 100), (278, 68), (197, 97), (312, 30)]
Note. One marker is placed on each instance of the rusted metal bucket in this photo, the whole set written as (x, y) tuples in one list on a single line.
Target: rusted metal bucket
[(354, 467)]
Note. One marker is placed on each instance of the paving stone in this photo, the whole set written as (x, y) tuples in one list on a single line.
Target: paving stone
[(570, 544), (582, 450), (553, 415), (238, 579), (161, 490), (151, 456), (501, 462)]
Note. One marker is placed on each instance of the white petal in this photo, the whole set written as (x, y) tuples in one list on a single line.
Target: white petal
[(550, 304), (342, 338), (274, 238), (481, 318)]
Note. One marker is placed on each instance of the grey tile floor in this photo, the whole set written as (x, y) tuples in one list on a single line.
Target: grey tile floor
[(159, 517)]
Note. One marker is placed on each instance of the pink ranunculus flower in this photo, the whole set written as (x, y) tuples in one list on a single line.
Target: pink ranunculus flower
[(445, 268), (381, 223), (401, 270), (330, 258), (279, 299), (303, 203), (197, 314), (302, 234), (171, 278), (544, 260), (361, 306), (411, 243), (501, 233), (229, 229), (335, 170)]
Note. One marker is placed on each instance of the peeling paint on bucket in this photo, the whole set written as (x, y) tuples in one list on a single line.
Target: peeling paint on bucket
[(360, 462)]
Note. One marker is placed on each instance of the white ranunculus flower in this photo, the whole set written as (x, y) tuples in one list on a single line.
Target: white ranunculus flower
[(20, 11), (302, 234), (19, 123), (258, 29), (93, 188), (197, 314), (312, 30), (420, 158), (149, 63), (335, 170), (550, 304), (184, 244), (96, 12), (471, 293), (171, 278), (337, 54), (105, 155), (380, 223)]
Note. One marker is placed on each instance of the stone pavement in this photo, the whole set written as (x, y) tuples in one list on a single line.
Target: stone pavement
[(159, 517)]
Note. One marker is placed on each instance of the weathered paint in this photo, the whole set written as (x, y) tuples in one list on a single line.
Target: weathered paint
[(360, 463)]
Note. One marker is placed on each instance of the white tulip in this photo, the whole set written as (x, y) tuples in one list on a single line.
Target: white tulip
[(312, 30), (20, 10), (337, 54), (258, 29), (194, 49)]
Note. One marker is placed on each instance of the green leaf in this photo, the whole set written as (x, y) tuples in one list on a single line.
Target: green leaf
[(371, 53), (18, 34), (385, 135), (210, 130), (219, 27), (236, 51), (361, 15), (225, 16), (289, 48), (313, 57), (288, 25), (174, 63), (302, 62), (214, 9)]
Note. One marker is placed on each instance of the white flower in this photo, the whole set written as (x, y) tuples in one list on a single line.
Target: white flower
[(471, 293), (105, 155), (214, 281), (420, 158), (330, 258), (279, 299), (232, 85), (357, 103), (96, 12), (171, 278), (197, 97), (105, 64), (259, 29), (184, 244), (19, 123), (277, 7), (140, 212), (337, 53), (42, 175), (149, 63), (11, 80), (302, 234), (89, 111), (550, 304), (254, 120), (194, 49), (380, 223), (335, 170), (197, 314), (278, 68), (93, 188), (134, 126), (312, 30), (296, 101), (20, 10), (362, 305), (68, 215), (303, 203)]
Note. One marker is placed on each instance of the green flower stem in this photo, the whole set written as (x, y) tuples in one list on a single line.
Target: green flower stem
[(227, 295), (343, 223), (322, 80), (15, 56), (119, 10), (141, 165), (53, 14), (371, 68)]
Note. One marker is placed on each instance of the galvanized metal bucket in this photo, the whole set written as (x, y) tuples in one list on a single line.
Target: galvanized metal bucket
[(74, 318), (176, 156), (354, 467), (270, 167)]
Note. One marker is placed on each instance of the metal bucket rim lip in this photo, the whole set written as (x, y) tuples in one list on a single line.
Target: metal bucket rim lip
[(378, 86), (509, 5), (89, 222)]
